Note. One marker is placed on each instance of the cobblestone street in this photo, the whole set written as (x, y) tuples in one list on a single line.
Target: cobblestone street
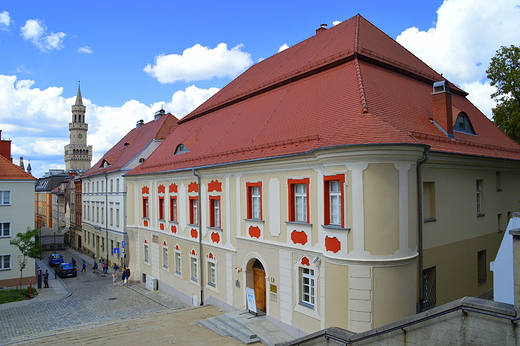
[(93, 305)]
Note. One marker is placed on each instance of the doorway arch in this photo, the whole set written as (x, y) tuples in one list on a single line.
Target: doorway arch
[(256, 279)]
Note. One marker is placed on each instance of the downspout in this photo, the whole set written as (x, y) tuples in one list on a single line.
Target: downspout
[(199, 217), (420, 228)]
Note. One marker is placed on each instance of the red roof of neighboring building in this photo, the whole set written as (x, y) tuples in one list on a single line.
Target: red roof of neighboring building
[(347, 85), (128, 148), (10, 171)]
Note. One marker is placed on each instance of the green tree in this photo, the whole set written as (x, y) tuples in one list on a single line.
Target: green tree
[(504, 73), (29, 247)]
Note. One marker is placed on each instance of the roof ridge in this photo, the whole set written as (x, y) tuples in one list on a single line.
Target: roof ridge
[(361, 87)]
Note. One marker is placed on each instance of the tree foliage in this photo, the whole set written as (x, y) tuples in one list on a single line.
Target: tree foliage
[(504, 73), (29, 247)]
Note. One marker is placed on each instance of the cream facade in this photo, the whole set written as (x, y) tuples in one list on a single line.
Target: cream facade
[(358, 275)]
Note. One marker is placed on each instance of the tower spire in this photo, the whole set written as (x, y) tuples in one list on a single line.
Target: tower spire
[(79, 99)]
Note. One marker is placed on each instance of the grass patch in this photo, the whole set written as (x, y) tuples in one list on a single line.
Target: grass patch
[(10, 295)]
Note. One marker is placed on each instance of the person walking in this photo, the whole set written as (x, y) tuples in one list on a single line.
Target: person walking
[(114, 278), (127, 276), (84, 266), (46, 279), (95, 267), (115, 267), (73, 261)]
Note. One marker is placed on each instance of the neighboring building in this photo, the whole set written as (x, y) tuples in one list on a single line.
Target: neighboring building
[(104, 188), (76, 208), (43, 197), (78, 155), (342, 182), (16, 216)]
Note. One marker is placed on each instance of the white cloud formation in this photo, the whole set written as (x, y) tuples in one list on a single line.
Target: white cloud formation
[(465, 38), (336, 22), (283, 47), (37, 120), (85, 49), (199, 63), (36, 32), (5, 20)]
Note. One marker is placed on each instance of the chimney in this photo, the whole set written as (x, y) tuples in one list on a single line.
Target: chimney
[(5, 148), (139, 123), (322, 28), (441, 107), (516, 268)]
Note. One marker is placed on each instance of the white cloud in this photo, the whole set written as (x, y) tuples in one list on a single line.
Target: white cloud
[(5, 20), (36, 32), (85, 49), (465, 38), (183, 102), (336, 22), (199, 63), (283, 47)]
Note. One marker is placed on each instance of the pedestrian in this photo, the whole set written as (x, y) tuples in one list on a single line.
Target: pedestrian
[(73, 261), (46, 279), (95, 267), (123, 275), (114, 278), (115, 267), (84, 266), (127, 276)]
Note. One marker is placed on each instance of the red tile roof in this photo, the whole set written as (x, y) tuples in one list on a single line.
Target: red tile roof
[(10, 171), (131, 145), (348, 85)]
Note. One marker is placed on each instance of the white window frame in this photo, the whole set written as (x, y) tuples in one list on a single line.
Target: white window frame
[(307, 287), (146, 253), (212, 273), (2, 229), (334, 202), (255, 202), (3, 261), (300, 202), (5, 197), (194, 269), (178, 262), (165, 257)]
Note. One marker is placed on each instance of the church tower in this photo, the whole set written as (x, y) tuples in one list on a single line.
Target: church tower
[(78, 154)]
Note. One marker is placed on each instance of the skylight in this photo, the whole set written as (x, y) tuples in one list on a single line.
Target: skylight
[(463, 124), (181, 148)]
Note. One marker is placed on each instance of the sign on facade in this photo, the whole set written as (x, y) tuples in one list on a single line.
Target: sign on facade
[(116, 250), (251, 299)]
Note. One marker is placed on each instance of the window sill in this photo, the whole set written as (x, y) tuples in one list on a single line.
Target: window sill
[(336, 227), (430, 220), (211, 284), (307, 305), (255, 220), (193, 280), (193, 225), (298, 223), (480, 214), (215, 228), (174, 222)]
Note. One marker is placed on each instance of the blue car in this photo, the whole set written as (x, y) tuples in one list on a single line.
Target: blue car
[(66, 269), (55, 259)]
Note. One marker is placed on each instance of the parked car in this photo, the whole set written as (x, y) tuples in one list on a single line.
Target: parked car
[(66, 269), (55, 259)]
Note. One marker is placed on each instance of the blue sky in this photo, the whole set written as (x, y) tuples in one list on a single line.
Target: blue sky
[(132, 58)]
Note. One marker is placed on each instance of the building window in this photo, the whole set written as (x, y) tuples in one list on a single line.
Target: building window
[(212, 274), (479, 188), (173, 208), (254, 200), (145, 207), (146, 254), (498, 178), (298, 197), (482, 267), (5, 229), (194, 210), (111, 216), (430, 287), (117, 185), (5, 197), (499, 223), (194, 270), (111, 246), (165, 257), (117, 217), (429, 201), (307, 287), (178, 263), (5, 262), (214, 218), (463, 124), (161, 208), (334, 210)]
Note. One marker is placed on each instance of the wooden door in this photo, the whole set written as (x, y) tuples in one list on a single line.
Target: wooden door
[(259, 281)]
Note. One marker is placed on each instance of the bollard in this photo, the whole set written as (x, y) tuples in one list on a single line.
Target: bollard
[(39, 278), (30, 286)]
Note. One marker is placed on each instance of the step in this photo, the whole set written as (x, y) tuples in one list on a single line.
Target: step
[(229, 327)]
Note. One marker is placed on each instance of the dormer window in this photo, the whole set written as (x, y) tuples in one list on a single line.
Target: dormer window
[(463, 124), (104, 164), (181, 148)]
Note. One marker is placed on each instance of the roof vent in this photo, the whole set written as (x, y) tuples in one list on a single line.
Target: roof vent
[(159, 113), (139, 123), (322, 28), (441, 86)]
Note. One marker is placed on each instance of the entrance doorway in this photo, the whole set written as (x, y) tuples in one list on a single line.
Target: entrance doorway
[(259, 285)]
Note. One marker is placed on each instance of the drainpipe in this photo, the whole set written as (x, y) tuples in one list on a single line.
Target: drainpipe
[(106, 213), (199, 217), (420, 228)]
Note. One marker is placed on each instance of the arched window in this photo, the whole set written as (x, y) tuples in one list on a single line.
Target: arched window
[(463, 124)]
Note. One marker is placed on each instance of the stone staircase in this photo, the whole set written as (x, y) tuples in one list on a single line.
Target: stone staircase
[(246, 328)]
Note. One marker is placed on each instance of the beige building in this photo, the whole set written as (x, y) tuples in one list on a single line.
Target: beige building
[(341, 182)]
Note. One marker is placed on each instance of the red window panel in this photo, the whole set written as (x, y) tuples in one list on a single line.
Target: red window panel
[(161, 208), (145, 206), (333, 201), (299, 200), (194, 210), (215, 212), (254, 200), (173, 208)]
